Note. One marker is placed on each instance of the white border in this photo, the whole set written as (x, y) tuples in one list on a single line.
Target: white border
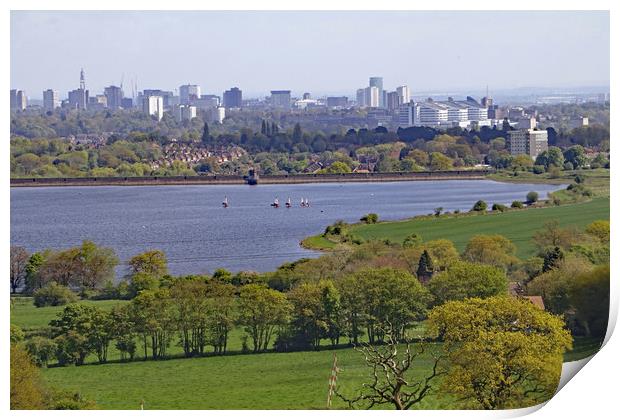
[(591, 395)]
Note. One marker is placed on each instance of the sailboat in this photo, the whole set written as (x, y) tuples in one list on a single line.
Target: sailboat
[(302, 202), (306, 203), (225, 202), (276, 203), (288, 203)]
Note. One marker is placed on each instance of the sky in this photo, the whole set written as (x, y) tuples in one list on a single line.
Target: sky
[(317, 52)]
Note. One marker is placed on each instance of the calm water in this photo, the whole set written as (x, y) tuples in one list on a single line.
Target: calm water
[(189, 224)]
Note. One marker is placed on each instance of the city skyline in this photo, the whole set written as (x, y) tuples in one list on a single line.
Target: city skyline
[(249, 50)]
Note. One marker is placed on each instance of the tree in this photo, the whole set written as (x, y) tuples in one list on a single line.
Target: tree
[(41, 349), (206, 137), (220, 314), (425, 267), (190, 310), (27, 391), (552, 235), (152, 262), (439, 162), (504, 352), (480, 205), (590, 298), (297, 133), (576, 155), (33, 280), (261, 311), (390, 297), (337, 168), (370, 218), (315, 314), (531, 197), (412, 240), (599, 229), (552, 259), (390, 380), (19, 261), (495, 250), (466, 280), (152, 314), (53, 295)]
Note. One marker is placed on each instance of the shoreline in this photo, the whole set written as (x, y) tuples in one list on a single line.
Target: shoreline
[(240, 180)]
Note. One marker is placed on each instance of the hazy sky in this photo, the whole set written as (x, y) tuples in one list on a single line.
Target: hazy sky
[(318, 52)]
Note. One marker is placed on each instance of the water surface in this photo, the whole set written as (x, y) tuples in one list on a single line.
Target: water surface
[(189, 224)]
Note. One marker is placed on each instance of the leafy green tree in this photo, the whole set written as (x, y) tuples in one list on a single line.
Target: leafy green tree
[(466, 280), (152, 313), (189, 298), (495, 250), (315, 314), (599, 229), (221, 313), (439, 162), (152, 262), (206, 137), (590, 298), (75, 333), (411, 241), (531, 197), (261, 311), (480, 205), (53, 295), (370, 218), (41, 349), (27, 391), (576, 155), (17, 334), (495, 362)]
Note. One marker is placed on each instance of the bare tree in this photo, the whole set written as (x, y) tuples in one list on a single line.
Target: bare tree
[(19, 260), (390, 383)]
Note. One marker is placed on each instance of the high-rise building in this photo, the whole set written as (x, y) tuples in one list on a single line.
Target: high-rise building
[(185, 112), (281, 99), (306, 96), (372, 97), (153, 105), (78, 98), (216, 115), (404, 94), (188, 93), (360, 98), (408, 115), (51, 100), (127, 103), (337, 101), (527, 142), (98, 102), (206, 102), (378, 83), (233, 98), (393, 101), (114, 96), (165, 94), (18, 100)]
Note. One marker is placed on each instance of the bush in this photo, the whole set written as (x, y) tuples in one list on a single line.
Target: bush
[(517, 204), (531, 197), (412, 241), (17, 334), (479, 206), (41, 349), (499, 207), (370, 218), (53, 295), (580, 179), (554, 172), (538, 169), (595, 165), (568, 166)]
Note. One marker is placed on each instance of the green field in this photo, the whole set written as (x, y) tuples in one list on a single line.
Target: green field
[(518, 225)]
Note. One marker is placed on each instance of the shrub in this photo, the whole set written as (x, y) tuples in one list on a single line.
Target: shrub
[(479, 206), (412, 241), (568, 166), (554, 172), (538, 169), (595, 165), (532, 197), (517, 204), (370, 218), (41, 349), (499, 207), (17, 334), (54, 295), (580, 179)]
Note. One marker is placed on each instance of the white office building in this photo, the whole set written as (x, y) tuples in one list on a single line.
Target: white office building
[(432, 114), (216, 115), (51, 100), (371, 97), (404, 94), (153, 105), (409, 115), (185, 112)]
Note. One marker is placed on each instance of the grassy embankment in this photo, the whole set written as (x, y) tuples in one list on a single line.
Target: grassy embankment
[(516, 225)]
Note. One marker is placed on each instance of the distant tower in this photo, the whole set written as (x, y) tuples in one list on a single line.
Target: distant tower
[(82, 80)]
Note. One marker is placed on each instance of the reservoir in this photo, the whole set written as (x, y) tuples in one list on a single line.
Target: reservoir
[(198, 235)]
